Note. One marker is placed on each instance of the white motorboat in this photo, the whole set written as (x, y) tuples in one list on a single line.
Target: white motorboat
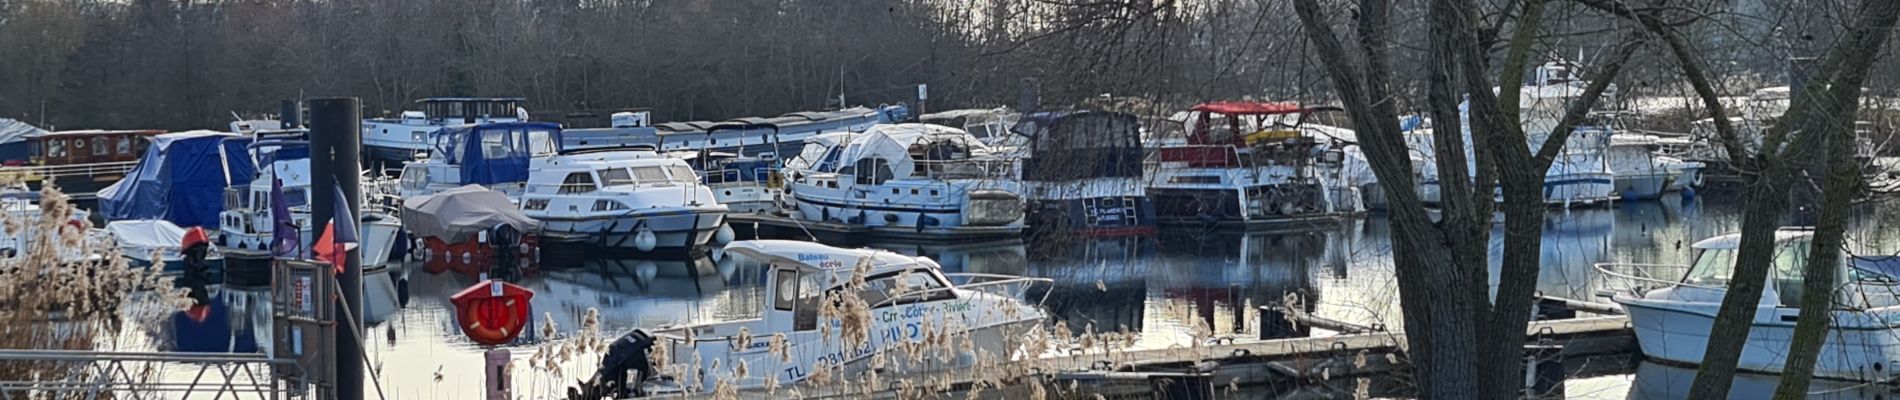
[(747, 183), (1253, 165), (401, 139), (910, 180), (1643, 172), (1580, 173), (916, 319), (145, 243), (495, 155), (246, 225), (635, 200), (1673, 307)]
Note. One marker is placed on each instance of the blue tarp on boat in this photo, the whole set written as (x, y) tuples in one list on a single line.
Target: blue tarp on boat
[(181, 178), (495, 153)]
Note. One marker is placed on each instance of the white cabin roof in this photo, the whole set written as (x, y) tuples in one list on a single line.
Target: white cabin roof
[(1734, 240), (607, 159), (821, 258)]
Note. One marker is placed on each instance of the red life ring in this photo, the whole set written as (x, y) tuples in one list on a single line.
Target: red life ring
[(493, 312)]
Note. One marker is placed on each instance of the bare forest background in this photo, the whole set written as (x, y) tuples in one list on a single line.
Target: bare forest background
[(187, 64)]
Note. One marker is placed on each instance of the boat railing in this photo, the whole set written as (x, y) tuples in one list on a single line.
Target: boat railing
[(1011, 286), (964, 169), (1637, 279)]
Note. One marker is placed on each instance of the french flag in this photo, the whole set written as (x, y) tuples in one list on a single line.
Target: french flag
[(339, 237)]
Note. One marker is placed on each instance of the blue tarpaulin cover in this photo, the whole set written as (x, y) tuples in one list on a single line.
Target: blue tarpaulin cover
[(181, 178), (497, 153)]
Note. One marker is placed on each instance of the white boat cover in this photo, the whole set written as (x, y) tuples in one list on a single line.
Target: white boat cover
[(458, 214), (146, 234), (892, 142)]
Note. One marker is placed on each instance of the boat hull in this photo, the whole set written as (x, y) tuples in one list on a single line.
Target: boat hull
[(1670, 332), (1642, 186), (674, 231)]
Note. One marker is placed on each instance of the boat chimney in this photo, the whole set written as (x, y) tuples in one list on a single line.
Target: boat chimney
[(290, 114), (1028, 95)]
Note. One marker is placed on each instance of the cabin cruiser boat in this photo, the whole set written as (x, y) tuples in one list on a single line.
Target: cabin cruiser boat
[(496, 155), (1580, 173), (401, 139), (910, 181), (909, 301), (146, 243), (1252, 165), (618, 199), (246, 225), (1643, 172), (1082, 173), (745, 184), (21, 204), (1672, 307)]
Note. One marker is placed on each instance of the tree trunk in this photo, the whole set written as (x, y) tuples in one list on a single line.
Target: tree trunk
[(1834, 124)]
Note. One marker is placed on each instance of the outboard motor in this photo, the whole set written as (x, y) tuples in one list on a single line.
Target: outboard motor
[(197, 275), (629, 353), (507, 242)]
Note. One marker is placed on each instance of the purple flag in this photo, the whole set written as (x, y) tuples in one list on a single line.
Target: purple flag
[(285, 236)]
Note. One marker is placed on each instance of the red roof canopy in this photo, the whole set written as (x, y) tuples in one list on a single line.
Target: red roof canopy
[(1249, 107)]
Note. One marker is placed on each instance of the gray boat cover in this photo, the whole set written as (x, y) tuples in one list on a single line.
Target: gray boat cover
[(457, 215)]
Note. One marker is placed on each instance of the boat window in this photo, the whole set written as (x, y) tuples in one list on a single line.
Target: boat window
[(682, 174), (909, 286), (873, 171), (577, 182), (1712, 268), (541, 142), (830, 160), (495, 144), (295, 197), (787, 290), (56, 148), (99, 146), (1790, 261), (125, 145), (810, 290), (615, 177), (649, 174)]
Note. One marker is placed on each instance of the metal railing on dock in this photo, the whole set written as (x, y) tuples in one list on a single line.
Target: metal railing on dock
[(99, 374), (31, 173)]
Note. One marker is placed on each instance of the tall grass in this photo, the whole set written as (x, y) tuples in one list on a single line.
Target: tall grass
[(70, 289)]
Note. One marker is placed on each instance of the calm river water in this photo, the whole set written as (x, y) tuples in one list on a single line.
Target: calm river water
[(1158, 287)]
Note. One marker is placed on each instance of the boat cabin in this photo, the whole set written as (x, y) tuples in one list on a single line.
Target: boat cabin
[(1866, 282), (489, 154), (86, 147), (1235, 134), (469, 110), (1078, 145)]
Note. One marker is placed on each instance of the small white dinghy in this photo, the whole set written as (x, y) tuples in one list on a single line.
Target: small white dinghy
[(1672, 308), (900, 315)]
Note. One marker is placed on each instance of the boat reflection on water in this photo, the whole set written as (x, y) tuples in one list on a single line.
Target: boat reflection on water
[(641, 292), (238, 319), (1660, 381)]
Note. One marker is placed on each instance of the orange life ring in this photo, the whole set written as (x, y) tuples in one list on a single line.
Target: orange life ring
[(493, 312)]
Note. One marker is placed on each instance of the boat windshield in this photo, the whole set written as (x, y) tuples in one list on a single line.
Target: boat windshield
[(1712, 268), (615, 177)]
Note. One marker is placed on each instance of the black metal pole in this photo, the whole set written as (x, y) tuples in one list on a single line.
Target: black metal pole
[(335, 142), (290, 114)]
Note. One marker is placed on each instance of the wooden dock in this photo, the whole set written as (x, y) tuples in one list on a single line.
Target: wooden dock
[(1281, 363)]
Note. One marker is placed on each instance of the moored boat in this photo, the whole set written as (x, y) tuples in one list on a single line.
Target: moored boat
[(1252, 165), (496, 155), (145, 243), (1082, 174), (1672, 307), (401, 139), (626, 200), (912, 310), (907, 181)]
